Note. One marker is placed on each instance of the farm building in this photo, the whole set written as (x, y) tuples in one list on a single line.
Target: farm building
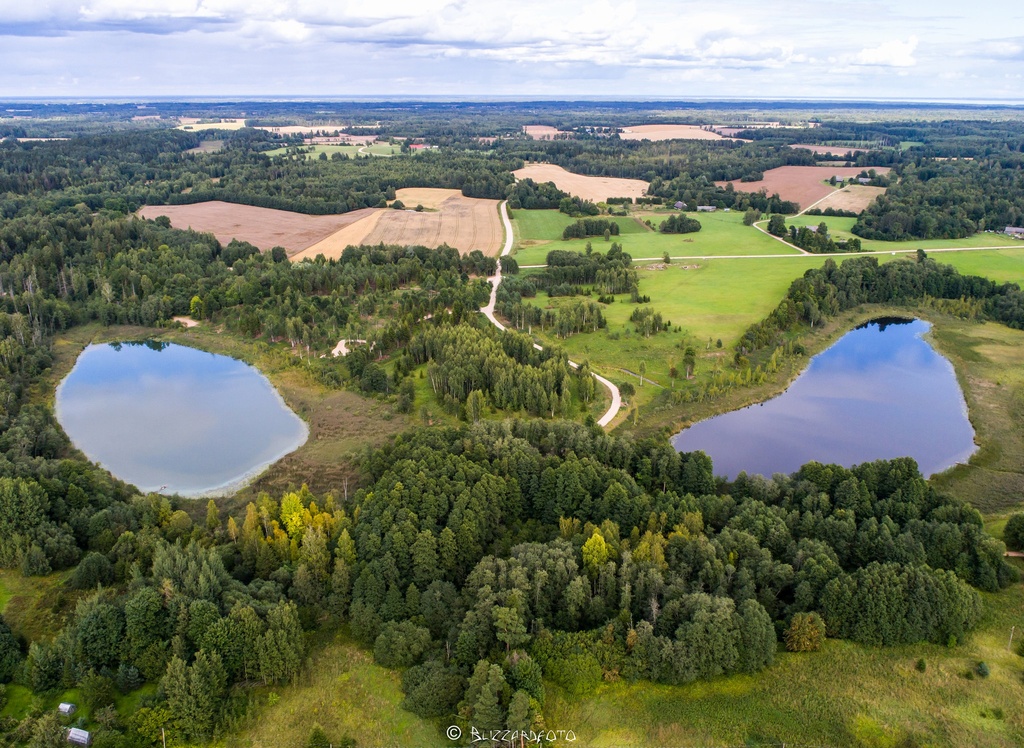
[(679, 205), (79, 737), (706, 208), (864, 180), (66, 708), (1014, 231)]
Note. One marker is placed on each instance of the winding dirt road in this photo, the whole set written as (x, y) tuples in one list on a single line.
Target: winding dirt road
[(488, 312)]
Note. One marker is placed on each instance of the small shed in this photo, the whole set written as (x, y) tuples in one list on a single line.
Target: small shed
[(1014, 231), (66, 708), (679, 205), (79, 737)]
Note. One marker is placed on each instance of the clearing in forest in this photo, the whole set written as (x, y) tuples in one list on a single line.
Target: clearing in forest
[(465, 223), (853, 197), (195, 124), (668, 132), (597, 189), (804, 185), (262, 227)]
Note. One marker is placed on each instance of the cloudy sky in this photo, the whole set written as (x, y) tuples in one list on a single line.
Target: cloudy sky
[(901, 49)]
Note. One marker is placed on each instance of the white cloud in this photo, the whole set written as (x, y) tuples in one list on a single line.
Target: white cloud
[(893, 53)]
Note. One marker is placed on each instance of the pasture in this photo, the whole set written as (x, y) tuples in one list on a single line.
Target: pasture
[(596, 189), (540, 231), (804, 185), (262, 227)]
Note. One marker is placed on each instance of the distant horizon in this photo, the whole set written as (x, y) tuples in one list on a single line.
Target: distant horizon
[(510, 98)]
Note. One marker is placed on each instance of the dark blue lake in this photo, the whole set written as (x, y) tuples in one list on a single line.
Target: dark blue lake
[(880, 391), (174, 419)]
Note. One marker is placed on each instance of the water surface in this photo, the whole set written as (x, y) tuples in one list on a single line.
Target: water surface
[(880, 391), (174, 419)]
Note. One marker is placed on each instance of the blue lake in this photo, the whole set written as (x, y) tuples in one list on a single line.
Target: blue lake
[(174, 419), (881, 391)]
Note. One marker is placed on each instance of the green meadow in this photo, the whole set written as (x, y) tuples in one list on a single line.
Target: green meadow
[(537, 232)]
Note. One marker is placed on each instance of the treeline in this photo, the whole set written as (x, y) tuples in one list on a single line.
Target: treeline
[(679, 224), (824, 292), (590, 227), (529, 195), (949, 200), (810, 238), (564, 552)]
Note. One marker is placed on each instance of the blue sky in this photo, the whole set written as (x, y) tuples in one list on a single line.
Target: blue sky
[(909, 49)]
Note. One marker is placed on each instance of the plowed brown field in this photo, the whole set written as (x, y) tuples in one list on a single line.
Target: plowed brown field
[(262, 227), (804, 185), (597, 189)]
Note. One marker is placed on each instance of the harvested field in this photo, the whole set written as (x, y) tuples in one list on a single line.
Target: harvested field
[(300, 129), (543, 132), (597, 189), (831, 150), (668, 132), (804, 185), (465, 223), (193, 123), (854, 197), (261, 227), (332, 246)]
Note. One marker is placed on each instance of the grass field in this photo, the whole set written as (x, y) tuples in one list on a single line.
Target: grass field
[(347, 694), (539, 231)]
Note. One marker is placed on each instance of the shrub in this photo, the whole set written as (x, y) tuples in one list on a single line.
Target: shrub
[(806, 633), (1013, 533), (921, 665), (982, 669)]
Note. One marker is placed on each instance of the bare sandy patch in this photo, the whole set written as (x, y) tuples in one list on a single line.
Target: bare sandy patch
[(668, 132), (597, 189), (854, 197), (831, 150), (185, 321), (804, 185), (262, 227)]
